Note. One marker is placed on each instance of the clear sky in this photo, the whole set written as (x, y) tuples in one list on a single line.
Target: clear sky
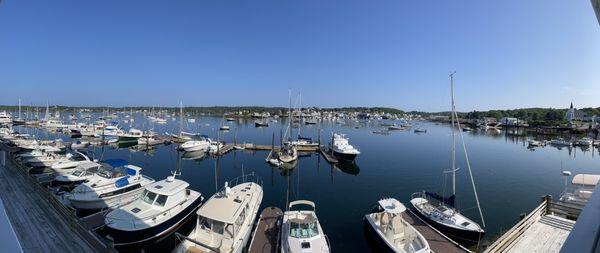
[(507, 54)]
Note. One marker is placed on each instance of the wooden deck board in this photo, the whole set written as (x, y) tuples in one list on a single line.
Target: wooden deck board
[(38, 226), (267, 231), (437, 242), (547, 234)]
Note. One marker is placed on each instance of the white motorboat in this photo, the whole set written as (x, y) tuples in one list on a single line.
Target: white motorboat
[(31, 154), (203, 143), (131, 136), (301, 231), (439, 211), (69, 161), (80, 174), (43, 161), (215, 146), (80, 145), (111, 186), (5, 118), (397, 235), (585, 141), (583, 187), (535, 143), (225, 221), (560, 142), (342, 148), (53, 124), (162, 208)]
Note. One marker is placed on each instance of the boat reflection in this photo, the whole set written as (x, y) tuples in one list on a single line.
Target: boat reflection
[(348, 167), (194, 155)]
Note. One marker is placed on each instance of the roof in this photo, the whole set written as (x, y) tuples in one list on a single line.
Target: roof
[(392, 206), (226, 208), (169, 186), (586, 179)]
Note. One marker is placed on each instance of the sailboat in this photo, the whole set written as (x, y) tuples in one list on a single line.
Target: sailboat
[(288, 152), (440, 211), (303, 141), (181, 138)]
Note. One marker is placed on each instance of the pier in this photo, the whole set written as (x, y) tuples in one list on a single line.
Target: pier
[(328, 156), (266, 236), (40, 221)]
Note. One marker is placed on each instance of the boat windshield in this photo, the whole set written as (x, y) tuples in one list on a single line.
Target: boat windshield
[(77, 173), (303, 230), (216, 227), (109, 172), (148, 197)]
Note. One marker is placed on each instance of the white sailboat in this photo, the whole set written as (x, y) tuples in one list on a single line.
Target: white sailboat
[(439, 211)]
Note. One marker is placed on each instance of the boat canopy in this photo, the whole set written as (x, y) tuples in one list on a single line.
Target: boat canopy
[(115, 162), (392, 206), (448, 200), (586, 179)]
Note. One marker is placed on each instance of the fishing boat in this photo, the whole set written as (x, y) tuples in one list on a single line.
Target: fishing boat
[(395, 234), (112, 186), (162, 208), (301, 231), (342, 148), (225, 221), (131, 136), (438, 210)]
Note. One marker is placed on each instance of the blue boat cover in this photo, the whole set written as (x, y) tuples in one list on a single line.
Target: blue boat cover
[(115, 162), (448, 200), (130, 171), (121, 182), (304, 138)]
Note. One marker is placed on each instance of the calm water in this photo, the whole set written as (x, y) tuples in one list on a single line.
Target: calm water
[(509, 177)]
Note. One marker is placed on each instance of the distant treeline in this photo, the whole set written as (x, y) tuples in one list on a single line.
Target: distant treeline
[(213, 110)]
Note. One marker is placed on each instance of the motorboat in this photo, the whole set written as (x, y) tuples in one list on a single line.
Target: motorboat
[(80, 145), (585, 141), (396, 235), (162, 208), (301, 231), (535, 143), (69, 161), (203, 143), (224, 128), (305, 142), (131, 136), (47, 160), (583, 186), (5, 118), (80, 174), (560, 142), (420, 130), (110, 187), (342, 148), (225, 221), (215, 147), (261, 123)]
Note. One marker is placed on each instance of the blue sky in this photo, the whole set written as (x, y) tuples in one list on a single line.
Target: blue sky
[(507, 54)]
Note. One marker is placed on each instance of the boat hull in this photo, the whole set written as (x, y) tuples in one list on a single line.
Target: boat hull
[(136, 237), (465, 237), (112, 201), (344, 156)]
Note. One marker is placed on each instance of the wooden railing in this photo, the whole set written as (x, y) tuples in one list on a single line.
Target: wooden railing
[(93, 240)]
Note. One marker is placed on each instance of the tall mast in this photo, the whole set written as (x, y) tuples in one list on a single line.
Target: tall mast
[(453, 137), (180, 117), (19, 108), (299, 115), (290, 115)]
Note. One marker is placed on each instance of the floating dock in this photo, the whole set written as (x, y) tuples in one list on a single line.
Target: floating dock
[(40, 221), (266, 234), (252, 146), (328, 156), (438, 242)]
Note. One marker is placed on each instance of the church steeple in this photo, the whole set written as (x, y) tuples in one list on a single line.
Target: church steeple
[(571, 105)]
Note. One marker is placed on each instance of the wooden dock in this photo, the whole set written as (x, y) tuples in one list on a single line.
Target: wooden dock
[(328, 156), (438, 242), (40, 222), (266, 235), (252, 146)]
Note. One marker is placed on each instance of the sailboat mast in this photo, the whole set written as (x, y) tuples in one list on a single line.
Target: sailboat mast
[(453, 136), (19, 108), (299, 115), (290, 115), (180, 117)]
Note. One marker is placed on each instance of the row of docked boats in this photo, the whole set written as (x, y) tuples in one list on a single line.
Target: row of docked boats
[(561, 142)]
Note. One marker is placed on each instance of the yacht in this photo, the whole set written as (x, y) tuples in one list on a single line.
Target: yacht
[(80, 174), (5, 118), (225, 221), (342, 148), (111, 186), (398, 236), (203, 143), (131, 135), (70, 161), (161, 209), (583, 187), (440, 211), (301, 231)]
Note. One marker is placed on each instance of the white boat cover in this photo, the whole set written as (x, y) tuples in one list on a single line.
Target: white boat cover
[(586, 179)]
